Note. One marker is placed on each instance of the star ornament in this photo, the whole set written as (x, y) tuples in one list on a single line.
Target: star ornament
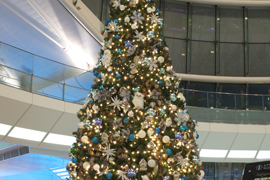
[(116, 103), (152, 64), (137, 17), (122, 175), (116, 3), (139, 35), (154, 18), (108, 152), (113, 27)]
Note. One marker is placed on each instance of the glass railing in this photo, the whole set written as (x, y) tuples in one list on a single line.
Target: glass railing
[(39, 75)]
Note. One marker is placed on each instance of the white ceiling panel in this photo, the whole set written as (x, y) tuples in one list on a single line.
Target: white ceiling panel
[(55, 146), (20, 141), (219, 140), (266, 143), (245, 141), (8, 107), (202, 137), (39, 118), (49, 103), (67, 120)]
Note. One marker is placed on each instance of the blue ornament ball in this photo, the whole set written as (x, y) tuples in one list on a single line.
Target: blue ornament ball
[(131, 173), (131, 137), (157, 130), (118, 75), (98, 121), (184, 178), (95, 140), (101, 87), (162, 70), (100, 56), (74, 160), (162, 111), (119, 51), (95, 73), (169, 152), (109, 175), (91, 101), (186, 127), (117, 36), (107, 21), (99, 76), (136, 89), (166, 178), (157, 10), (116, 21), (159, 82), (197, 136), (182, 128), (125, 120)]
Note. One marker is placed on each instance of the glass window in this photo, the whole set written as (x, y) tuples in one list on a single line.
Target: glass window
[(209, 170), (259, 25), (231, 24), (202, 58), (203, 22), (231, 59), (259, 59), (175, 19), (229, 171), (94, 6), (178, 54)]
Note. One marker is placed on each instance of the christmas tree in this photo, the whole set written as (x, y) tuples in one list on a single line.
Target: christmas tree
[(134, 124)]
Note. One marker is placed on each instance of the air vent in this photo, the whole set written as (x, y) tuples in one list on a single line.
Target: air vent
[(14, 153)]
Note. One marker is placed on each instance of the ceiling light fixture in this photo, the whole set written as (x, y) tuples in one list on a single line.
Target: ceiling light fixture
[(28, 134)]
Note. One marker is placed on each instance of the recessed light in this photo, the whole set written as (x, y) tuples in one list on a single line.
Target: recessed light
[(263, 155), (60, 139), (28, 134), (4, 129), (214, 153), (242, 154)]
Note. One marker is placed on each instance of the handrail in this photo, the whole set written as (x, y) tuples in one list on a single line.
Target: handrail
[(232, 2), (224, 79)]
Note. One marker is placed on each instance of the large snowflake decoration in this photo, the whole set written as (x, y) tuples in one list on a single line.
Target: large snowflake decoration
[(152, 64), (108, 152), (181, 117), (112, 26), (139, 35), (116, 4), (105, 171), (154, 18), (137, 17), (122, 174), (116, 103), (180, 160)]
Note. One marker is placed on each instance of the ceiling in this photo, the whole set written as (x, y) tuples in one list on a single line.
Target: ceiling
[(47, 29)]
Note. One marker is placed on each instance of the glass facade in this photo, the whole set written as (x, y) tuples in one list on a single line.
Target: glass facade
[(222, 171), (211, 39)]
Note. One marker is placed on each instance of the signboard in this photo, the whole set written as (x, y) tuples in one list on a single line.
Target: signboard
[(257, 171)]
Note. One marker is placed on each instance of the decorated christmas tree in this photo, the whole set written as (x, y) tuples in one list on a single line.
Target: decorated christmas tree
[(134, 124)]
